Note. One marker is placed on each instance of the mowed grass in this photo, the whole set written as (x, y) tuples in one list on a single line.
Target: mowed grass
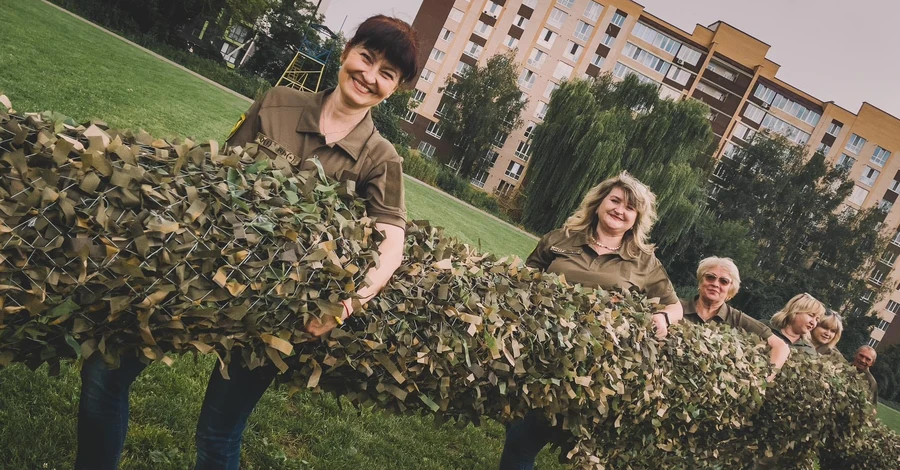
[(51, 61), (889, 416)]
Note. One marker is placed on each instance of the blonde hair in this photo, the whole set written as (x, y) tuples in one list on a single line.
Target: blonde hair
[(635, 240), (800, 303), (833, 323), (726, 263)]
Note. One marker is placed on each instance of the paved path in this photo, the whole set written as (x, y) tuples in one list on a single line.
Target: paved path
[(229, 90)]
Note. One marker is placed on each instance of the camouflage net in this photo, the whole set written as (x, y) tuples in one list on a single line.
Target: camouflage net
[(116, 243)]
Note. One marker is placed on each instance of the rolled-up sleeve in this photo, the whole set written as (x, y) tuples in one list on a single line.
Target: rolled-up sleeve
[(659, 285), (384, 194)]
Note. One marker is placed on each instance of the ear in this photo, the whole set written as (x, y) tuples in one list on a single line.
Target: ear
[(345, 52)]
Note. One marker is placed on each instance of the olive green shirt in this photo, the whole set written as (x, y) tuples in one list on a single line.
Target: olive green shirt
[(727, 315), (570, 254), (285, 123), (800, 345), (825, 350), (873, 386)]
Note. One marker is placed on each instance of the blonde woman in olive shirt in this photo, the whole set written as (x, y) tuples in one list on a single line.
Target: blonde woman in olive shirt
[(605, 244)]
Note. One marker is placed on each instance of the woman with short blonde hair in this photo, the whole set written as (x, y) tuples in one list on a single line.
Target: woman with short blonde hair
[(827, 333), (796, 320)]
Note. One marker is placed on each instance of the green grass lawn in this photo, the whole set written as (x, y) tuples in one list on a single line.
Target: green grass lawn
[(51, 61), (889, 416)]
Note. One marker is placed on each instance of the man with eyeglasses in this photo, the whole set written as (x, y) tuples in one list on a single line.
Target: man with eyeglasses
[(863, 361), (718, 282)]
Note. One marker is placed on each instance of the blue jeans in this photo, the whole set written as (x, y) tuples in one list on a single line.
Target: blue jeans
[(524, 440), (103, 413)]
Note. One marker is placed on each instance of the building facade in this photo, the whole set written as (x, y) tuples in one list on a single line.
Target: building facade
[(717, 64)]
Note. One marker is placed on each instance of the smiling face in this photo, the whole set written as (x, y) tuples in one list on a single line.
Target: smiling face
[(714, 285), (616, 215), (366, 78), (864, 359), (822, 335)]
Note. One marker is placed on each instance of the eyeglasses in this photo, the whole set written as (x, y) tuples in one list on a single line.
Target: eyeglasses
[(710, 277)]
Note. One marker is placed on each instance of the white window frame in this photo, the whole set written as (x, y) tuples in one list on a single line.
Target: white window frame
[(754, 113), (593, 10), (562, 71), (845, 161), (856, 143), (483, 29), (510, 42), (434, 130), (583, 31), (834, 129), (446, 35), (462, 68), (880, 156), (540, 111), (418, 96), (858, 195), (473, 50), (869, 176), (426, 149), (557, 17), (598, 60), (608, 40), (618, 19), (410, 116), (547, 38), (722, 71), (569, 54), (455, 15), (537, 58), (427, 75), (437, 55), (514, 170), (523, 150)]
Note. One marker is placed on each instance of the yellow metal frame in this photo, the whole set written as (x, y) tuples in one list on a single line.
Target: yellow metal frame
[(302, 72)]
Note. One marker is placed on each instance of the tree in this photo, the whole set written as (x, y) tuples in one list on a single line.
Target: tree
[(485, 101), (286, 28), (887, 372), (595, 129), (807, 240), (387, 117)]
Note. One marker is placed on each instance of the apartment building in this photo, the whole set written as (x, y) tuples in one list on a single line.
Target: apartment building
[(717, 64)]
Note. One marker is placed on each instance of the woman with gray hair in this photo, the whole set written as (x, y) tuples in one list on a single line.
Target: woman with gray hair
[(718, 281), (604, 244)]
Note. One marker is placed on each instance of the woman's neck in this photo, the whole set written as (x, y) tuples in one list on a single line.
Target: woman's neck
[(607, 238), (789, 334), (706, 308), (337, 115)]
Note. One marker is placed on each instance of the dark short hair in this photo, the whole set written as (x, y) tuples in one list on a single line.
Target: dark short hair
[(395, 39)]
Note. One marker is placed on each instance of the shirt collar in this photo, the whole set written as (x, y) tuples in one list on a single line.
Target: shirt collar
[(353, 143), (721, 314), (583, 238)]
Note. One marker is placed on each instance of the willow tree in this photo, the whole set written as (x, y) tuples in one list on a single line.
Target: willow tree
[(596, 129), (484, 101)]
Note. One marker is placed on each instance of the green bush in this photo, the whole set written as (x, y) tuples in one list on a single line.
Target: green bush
[(419, 167)]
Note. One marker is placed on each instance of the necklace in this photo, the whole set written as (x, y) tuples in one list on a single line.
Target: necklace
[(594, 242)]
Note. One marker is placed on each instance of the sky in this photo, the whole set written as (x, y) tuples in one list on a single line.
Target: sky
[(824, 47)]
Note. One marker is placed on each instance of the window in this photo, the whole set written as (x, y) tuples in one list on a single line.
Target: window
[(867, 296), (895, 186), (462, 68), (618, 19), (566, 3), (621, 71), (437, 55), (418, 97), (583, 31), (688, 55), (883, 324), (573, 51), (441, 109), (678, 75), (764, 93), (647, 59), (510, 42), (479, 178), (608, 40), (456, 15), (503, 188), (410, 116), (514, 170), (526, 80), (557, 18), (868, 176), (446, 35), (858, 196), (491, 9), (593, 10), (845, 162), (530, 3), (537, 58), (713, 92), (655, 38), (789, 106), (563, 71), (500, 138), (885, 206), (880, 157), (741, 131), (427, 75), (238, 33), (877, 277), (523, 150), (547, 38), (520, 21), (483, 29), (427, 149), (548, 91), (541, 111), (721, 170), (730, 150), (754, 114), (598, 60), (823, 148), (892, 306), (855, 144), (792, 133), (721, 71), (434, 129), (473, 50), (529, 129), (834, 129)]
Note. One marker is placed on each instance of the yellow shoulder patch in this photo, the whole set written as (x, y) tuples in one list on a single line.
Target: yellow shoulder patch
[(237, 126)]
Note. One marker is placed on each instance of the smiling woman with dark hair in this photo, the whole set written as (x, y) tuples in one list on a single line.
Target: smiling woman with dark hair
[(336, 127)]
